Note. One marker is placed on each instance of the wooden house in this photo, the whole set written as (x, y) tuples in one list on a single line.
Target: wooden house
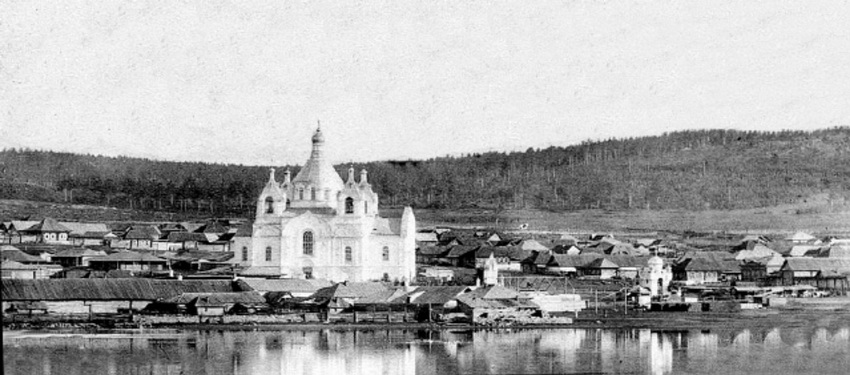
[(128, 260), (77, 257), (49, 231)]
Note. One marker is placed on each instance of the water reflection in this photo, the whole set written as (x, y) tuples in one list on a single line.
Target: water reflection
[(768, 350)]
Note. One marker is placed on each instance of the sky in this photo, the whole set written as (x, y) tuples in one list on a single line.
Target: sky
[(246, 81)]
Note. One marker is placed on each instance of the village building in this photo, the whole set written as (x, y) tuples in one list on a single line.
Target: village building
[(107, 296), (76, 257), (317, 226), (143, 237), (48, 231), (16, 270), (128, 261), (823, 273)]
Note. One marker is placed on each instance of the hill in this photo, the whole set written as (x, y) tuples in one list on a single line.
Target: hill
[(688, 170)]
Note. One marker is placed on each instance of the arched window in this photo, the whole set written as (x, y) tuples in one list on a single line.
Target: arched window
[(348, 255), (365, 207), (386, 253), (288, 202), (308, 243), (308, 272), (268, 254), (269, 205), (301, 194), (327, 195), (244, 253), (349, 205), (312, 193)]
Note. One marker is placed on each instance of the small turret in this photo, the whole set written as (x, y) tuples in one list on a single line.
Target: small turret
[(364, 180), (491, 271), (287, 179), (350, 180), (272, 200)]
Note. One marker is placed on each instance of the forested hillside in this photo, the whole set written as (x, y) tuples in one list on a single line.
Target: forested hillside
[(716, 169)]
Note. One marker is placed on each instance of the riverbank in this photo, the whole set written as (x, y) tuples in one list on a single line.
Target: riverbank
[(653, 320)]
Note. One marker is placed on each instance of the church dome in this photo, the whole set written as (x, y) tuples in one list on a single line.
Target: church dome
[(318, 137)]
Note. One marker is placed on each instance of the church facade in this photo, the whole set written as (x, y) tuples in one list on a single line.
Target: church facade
[(317, 226)]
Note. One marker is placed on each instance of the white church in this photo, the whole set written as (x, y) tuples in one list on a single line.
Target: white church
[(317, 226)]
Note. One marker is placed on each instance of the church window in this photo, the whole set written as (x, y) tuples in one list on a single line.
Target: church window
[(386, 253), (308, 272), (268, 254), (301, 194), (244, 253), (308, 243), (312, 193), (365, 207), (327, 195), (269, 205), (287, 202), (349, 205), (348, 255)]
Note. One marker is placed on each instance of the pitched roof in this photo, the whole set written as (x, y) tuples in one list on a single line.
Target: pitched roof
[(349, 290), (842, 251), (801, 250), (48, 225), (601, 263), (458, 251), (79, 253), (12, 265), (20, 256), (511, 252), (129, 256), (384, 226), (21, 225), (426, 236), (78, 229), (838, 265), (436, 295), (186, 237), (493, 292), (801, 237), (211, 227), (707, 264), (217, 299), (575, 261), (432, 250), (107, 289), (758, 251), (286, 285), (531, 245), (143, 232)]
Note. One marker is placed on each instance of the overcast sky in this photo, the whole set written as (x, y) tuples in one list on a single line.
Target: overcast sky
[(245, 82)]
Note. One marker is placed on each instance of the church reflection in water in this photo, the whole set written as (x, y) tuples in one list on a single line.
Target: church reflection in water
[(756, 350)]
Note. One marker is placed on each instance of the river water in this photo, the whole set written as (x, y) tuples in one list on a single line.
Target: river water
[(816, 350)]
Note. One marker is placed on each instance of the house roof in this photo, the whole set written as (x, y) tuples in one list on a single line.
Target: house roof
[(436, 295), (286, 285), (758, 251), (511, 252), (79, 253), (79, 229), (12, 265), (107, 289), (349, 290), (48, 225), (432, 250), (602, 263), (841, 251), (576, 261), (186, 237), (426, 237), (531, 245), (391, 296), (493, 292), (838, 265), (458, 251), (707, 264), (21, 225), (20, 256), (801, 250), (801, 237), (129, 256), (217, 299), (387, 227), (211, 227), (143, 232)]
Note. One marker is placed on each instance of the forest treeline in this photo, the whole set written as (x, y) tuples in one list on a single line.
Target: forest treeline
[(700, 169)]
